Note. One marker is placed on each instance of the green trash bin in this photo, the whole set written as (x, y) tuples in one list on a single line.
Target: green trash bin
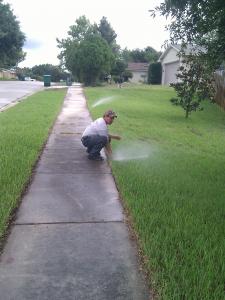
[(47, 80), (68, 81)]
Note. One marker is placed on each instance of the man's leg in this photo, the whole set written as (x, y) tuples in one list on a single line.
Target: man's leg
[(94, 144)]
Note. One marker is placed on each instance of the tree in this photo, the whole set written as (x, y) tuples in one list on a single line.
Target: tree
[(77, 33), (200, 23), (94, 59), (90, 59), (194, 84), (108, 34), (56, 72), (107, 31), (85, 53), (11, 38), (149, 55), (126, 55), (126, 75), (119, 67), (119, 71)]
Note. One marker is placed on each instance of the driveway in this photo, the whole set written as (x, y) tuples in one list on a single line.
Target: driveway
[(14, 90)]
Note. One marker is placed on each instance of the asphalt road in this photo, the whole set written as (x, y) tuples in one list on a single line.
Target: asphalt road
[(14, 90)]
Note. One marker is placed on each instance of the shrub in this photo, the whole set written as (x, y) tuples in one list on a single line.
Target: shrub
[(154, 73)]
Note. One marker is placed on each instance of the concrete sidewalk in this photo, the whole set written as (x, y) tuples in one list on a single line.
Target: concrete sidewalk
[(69, 240)]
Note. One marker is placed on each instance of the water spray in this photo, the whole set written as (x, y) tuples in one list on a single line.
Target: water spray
[(103, 101), (132, 151)]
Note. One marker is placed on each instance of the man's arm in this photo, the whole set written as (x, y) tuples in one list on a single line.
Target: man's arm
[(115, 137), (108, 149)]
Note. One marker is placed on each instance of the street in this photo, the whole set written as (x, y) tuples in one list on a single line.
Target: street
[(14, 90)]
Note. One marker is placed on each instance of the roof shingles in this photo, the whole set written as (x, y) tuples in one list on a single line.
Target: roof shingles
[(137, 67)]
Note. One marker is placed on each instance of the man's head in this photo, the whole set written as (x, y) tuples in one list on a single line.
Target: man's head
[(109, 116)]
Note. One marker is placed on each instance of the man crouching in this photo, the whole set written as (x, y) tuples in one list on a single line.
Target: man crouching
[(96, 136)]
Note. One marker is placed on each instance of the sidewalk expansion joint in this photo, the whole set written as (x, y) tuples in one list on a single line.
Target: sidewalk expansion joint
[(70, 173), (65, 223)]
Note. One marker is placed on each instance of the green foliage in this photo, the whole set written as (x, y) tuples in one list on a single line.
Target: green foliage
[(155, 73), (85, 52), (81, 29), (119, 67), (11, 38), (199, 22), (149, 55), (127, 75), (119, 71), (107, 32), (56, 72), (194, 84), (37, 72), (93, 57)]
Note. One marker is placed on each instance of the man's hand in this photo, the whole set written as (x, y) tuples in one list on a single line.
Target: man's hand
[(115, 137)]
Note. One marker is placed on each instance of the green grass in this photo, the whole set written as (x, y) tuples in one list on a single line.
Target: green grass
[(24, 129), (176, 196)]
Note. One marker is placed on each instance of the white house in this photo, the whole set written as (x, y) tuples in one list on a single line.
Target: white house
[(139, 71), (7, 74), (170, 64), (171, 61)]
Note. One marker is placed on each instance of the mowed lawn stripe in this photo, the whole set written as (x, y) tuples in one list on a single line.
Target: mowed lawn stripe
[(24, 129), (175, 197)]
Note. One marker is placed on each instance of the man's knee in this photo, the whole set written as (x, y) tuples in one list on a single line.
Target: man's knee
[(104, 140)]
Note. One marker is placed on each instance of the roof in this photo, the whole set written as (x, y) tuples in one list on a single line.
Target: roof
[(177, 47), (138, 67)]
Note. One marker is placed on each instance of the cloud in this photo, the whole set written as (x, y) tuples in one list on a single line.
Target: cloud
[(31, 43)]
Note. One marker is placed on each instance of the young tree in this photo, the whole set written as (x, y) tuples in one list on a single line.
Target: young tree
[(194, 85), (11, 38)]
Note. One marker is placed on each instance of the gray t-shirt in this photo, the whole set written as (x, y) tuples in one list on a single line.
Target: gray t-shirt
[(97, 127)]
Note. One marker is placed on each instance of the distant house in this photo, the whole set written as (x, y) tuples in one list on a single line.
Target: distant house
[(139, 71), (171, 62), (7, 74)]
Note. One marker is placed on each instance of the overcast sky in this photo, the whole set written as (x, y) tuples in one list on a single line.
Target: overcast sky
[(43, 21)]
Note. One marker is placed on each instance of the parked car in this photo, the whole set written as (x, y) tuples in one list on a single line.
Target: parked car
[(29, 79)]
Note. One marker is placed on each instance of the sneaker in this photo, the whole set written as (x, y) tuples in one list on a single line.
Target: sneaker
[(97, 158)]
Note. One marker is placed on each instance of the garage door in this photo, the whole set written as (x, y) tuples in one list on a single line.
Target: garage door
[(170, 72)]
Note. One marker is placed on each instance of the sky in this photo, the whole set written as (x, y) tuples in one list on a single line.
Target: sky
[(42, 21)]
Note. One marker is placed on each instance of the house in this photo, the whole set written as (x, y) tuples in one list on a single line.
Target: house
[(139, 71), (7, 74), (171, 62)]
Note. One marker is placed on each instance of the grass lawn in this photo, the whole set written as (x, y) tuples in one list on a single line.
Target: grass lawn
[(175, 196), (24, 129)]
